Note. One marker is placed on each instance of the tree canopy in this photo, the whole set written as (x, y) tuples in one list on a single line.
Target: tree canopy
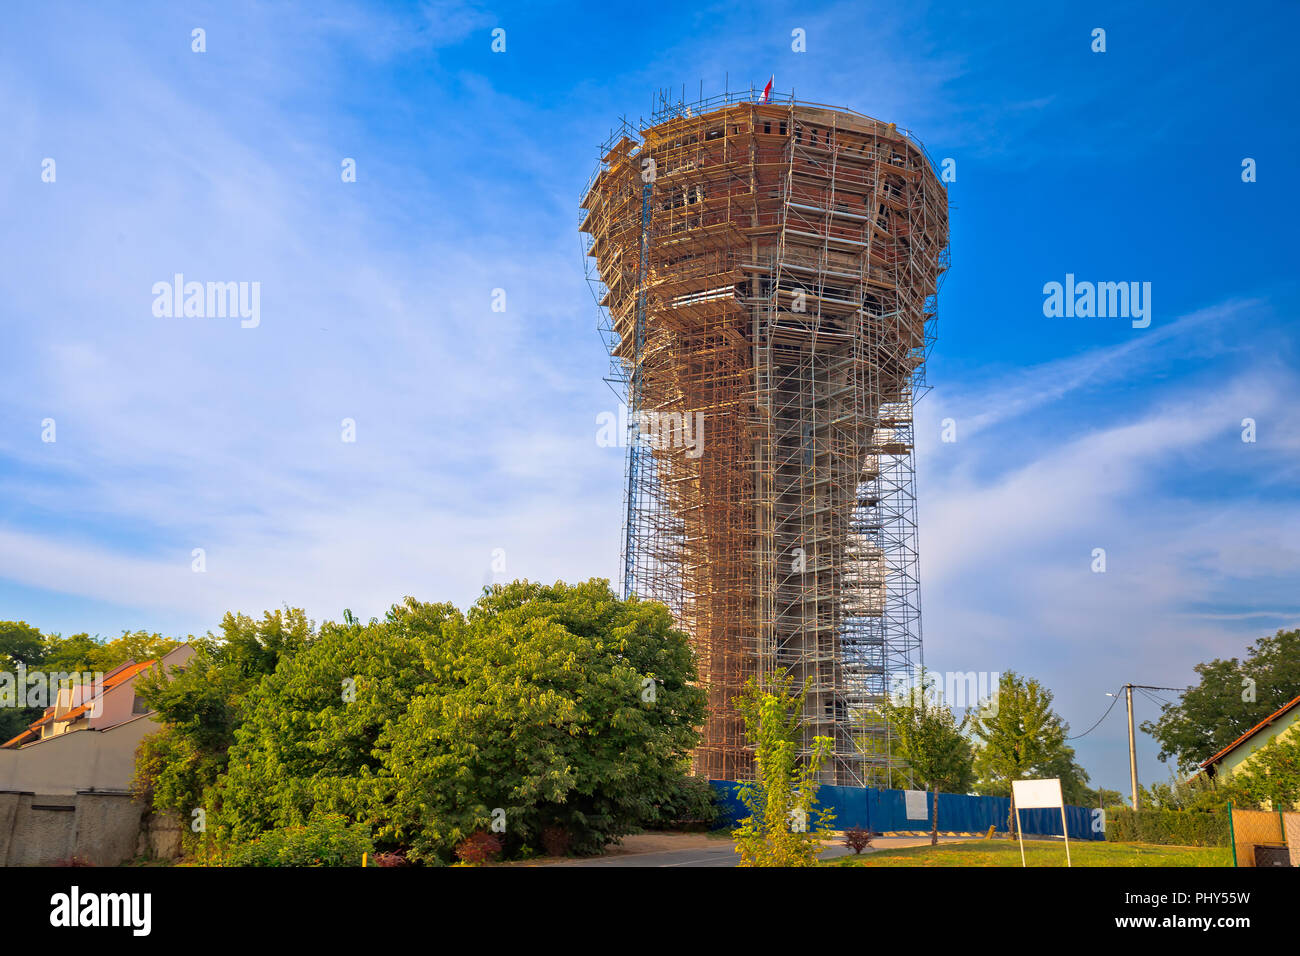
[(1020, 737), (932, 741), (1231, 697), (544, 708)]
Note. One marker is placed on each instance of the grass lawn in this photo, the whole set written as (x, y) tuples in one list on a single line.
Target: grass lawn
[(1041, 853)]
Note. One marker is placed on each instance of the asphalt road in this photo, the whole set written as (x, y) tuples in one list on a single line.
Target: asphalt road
[(724, 854)]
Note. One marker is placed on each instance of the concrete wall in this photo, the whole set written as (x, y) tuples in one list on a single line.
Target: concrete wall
[(104, 829), (76, 761)]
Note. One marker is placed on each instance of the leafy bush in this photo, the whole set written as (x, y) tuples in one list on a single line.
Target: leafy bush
[(858, 839), (692, 803), (390, 859), (546, 706), (326, 839), (1167, 827), (479, 847)]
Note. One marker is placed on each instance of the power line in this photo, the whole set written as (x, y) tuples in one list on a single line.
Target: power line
[(1114, 700)]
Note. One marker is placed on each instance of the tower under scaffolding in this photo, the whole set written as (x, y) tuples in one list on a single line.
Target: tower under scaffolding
[(767, 274)]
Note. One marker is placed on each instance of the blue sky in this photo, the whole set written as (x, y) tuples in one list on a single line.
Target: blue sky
[(476, 429)]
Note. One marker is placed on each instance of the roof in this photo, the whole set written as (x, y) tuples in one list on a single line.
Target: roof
[(1250, 733), (117, 676)]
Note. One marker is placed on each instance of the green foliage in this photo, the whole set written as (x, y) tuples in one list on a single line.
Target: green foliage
[(562, 708), (1020, 737), (324, 839), (1270, 778), (692, 803), (1168, 827), (782, 802), (20, 644), (1101, 797), (312, 736), (1231, 698), (201, 706), (80, 652), (930, 739), (1180, 793)]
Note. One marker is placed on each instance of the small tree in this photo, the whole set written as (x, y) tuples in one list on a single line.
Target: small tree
[(930, 738), (1021, 737), (782, 801)]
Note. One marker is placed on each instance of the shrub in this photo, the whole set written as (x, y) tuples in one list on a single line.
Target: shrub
[(691, 804), (563, 706), (858, 839), (1167, 827), (479, 847), (390, 859), (326, 839)]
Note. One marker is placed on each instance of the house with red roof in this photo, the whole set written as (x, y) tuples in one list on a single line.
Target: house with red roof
[(1283, 722), (87, 739)]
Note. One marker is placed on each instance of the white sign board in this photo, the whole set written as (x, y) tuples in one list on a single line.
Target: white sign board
[(914, 801), (1037, 794)]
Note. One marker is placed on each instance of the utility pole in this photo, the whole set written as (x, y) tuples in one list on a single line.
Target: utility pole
[(1132, 740), (1132, 746)]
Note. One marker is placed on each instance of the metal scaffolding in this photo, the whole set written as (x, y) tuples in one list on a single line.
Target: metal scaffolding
[(767, 275)]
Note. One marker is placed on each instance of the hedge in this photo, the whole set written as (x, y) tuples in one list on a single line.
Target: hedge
[(327, 839), (1167, 827)]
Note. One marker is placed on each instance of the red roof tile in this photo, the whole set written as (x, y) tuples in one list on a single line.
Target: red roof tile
[(1254, 730)]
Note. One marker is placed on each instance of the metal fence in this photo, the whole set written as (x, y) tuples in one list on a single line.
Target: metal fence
[(894, 811)]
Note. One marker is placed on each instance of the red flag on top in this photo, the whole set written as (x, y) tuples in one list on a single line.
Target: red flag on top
[(767, 90)]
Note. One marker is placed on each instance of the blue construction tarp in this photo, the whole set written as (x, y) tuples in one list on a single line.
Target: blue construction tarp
[(885, 811)]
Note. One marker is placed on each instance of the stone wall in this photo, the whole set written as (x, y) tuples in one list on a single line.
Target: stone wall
[(100, 828)]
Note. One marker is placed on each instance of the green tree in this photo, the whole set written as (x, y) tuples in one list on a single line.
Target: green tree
[(81, 652), (1231, 697), (1020, 737), (932, 741), (545, 708), (312, 738), (560, 706), (1101, 797), (201, 706), (20, 644), (780, 829)]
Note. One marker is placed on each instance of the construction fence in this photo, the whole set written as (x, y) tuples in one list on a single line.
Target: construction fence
[(1265, 838), (910, 811)]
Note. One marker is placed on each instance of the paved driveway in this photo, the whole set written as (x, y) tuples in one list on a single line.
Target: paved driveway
[(690, 849)]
